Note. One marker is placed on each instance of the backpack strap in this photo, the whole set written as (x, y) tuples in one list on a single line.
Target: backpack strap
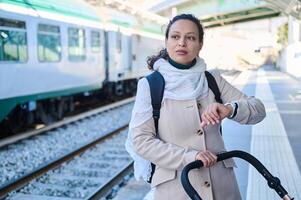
[(156, 84), (213, 87)]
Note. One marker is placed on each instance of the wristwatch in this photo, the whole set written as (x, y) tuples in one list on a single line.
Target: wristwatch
[(234, 106)]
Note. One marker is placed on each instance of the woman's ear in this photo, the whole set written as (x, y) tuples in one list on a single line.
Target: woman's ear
[(201, 45)]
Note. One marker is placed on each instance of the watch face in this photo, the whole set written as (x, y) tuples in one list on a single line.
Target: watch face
[(234, 107)]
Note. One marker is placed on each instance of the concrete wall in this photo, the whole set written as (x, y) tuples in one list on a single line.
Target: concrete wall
[(289, 59)]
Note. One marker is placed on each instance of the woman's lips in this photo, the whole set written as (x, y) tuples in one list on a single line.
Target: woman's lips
[(181, 52)]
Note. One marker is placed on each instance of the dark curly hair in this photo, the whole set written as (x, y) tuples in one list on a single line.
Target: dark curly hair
[(163, 52)]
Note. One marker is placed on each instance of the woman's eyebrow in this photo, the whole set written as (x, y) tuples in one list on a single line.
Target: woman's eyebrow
[(191, 33), (184, 33)]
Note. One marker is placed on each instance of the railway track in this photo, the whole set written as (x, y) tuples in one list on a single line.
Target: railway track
[(89, 172), (62, 141)]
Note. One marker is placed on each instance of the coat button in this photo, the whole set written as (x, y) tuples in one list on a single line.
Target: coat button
[(207, 184), (200, 132), (199, 105)]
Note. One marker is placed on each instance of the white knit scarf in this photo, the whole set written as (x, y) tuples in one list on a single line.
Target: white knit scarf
[(180, 84), (183, 84)]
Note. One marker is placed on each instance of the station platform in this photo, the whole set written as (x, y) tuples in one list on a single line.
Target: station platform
[(276, 141)]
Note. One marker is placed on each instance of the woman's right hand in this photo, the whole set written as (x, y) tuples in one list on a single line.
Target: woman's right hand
[(208, 158), (215, 113)]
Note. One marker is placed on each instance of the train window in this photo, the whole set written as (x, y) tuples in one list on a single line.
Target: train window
[(95, 41), (76, 44), (12, 23), (49, 43), (13, 42)]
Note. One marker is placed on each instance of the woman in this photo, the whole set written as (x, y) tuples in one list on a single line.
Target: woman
[(190, 119)]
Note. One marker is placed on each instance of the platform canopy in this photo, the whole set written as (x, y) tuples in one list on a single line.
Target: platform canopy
[(212, 13), (289, 7), (133, 8), (221, 12)]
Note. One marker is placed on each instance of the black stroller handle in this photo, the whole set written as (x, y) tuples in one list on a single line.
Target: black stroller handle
[(273, 182)]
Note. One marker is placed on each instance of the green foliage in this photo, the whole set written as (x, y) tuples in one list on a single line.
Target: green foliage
[(282, 34)]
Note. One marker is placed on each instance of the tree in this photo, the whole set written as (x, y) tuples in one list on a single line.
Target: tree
[(282, 34)]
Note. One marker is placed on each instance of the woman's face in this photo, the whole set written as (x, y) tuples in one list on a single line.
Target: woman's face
[(183, 43)]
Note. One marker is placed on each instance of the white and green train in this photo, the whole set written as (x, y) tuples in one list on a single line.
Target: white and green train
[(52, 51)]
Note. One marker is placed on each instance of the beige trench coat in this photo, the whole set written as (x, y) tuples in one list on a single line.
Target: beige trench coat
[(181, 137)]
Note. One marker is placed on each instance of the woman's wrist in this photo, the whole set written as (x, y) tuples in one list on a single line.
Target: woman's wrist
[(233, 109)]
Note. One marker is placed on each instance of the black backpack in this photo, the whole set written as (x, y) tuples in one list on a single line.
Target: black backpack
[(157, 84)]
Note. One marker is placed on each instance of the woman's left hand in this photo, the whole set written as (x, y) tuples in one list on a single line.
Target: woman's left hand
[(215, 113)]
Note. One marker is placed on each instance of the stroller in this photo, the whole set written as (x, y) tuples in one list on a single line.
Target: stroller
[(273, 182)]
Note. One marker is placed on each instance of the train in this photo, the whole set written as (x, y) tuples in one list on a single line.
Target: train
[(53, 54)]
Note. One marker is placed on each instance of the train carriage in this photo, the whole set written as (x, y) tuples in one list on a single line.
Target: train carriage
[(53, 52)]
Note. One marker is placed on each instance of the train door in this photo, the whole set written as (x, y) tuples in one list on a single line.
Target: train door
[(118, 51), (111, 54), (127, 55), (115, 55)]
